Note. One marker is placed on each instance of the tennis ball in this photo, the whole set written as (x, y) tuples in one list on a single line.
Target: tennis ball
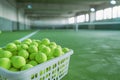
[(40, 57), (45, 41), (58, 46), (41, 46), (52, 45), (65, 50), (33, 49), (18, 61), (26, 66), (17, 42), (38, 41), (5, 54), (23, 53), (18, 47), (27, 41), (34, 43), (24, 46), (11, 47), (50, 57), (34, 63), (32, 56), (46, 50), (27, 60), (5, 63), (57, 52), (14, 53), (13, 69)]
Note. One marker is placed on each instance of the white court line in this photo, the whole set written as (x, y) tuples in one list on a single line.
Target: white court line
[(29, 35)]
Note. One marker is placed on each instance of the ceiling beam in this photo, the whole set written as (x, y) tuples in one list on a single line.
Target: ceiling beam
[(57, 1)]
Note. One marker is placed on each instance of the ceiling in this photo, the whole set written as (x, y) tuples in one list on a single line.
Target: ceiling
[(42, 9)]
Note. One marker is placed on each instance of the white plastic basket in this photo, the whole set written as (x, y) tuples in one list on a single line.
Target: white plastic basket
[(54, 69)]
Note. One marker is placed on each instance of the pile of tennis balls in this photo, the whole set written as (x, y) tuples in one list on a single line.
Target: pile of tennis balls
[(18, 56)]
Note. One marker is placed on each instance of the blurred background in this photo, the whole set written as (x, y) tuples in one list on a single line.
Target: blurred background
[(59, 14)]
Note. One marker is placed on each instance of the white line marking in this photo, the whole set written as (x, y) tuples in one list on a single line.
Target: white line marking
[(29, 35)]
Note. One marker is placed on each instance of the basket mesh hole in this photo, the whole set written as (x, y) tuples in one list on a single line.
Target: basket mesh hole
[(49, 67), (57, 78), (58, 62), (32, 76), (61, 75), (63, 65), (41, 72), (36, 75), (53, 66), (62, 61), (52, 72), (47, 75), (58, 69), (48, 78), (52, 77), (43, 78)]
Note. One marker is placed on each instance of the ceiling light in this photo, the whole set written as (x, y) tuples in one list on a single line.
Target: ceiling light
[(92, 9), (29, 6), (113, 2)]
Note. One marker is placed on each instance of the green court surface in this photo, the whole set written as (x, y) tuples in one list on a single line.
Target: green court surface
[(96, 53), (7, 37)]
